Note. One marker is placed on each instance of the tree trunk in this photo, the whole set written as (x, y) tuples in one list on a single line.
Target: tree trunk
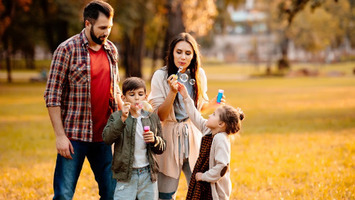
[(134, 51), (154, 58), (283, 63), (8, 65), (175, 23), (7, 49), (47, 26), (29, 54), (56, 31), (9, 14)]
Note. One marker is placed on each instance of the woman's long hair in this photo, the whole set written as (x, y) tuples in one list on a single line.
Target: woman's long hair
[(193, 67)]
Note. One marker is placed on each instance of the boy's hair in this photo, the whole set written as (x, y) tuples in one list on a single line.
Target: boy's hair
[(232, 118), (92, 10), (133, 83)]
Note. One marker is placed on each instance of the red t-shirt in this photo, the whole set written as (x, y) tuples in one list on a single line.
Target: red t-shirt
[(100, 91)]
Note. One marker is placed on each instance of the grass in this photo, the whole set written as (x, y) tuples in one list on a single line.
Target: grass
[(297, 140)]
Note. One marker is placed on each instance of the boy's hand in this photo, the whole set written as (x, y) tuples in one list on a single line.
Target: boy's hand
[(198, 176), (148, 137), (125, 110), (182, 89)]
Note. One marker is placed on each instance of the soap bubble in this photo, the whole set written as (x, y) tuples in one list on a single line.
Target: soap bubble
[(184, 77), (145, 106), (192, 81)]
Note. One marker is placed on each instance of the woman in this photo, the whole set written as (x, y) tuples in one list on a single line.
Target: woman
[(182, 137)]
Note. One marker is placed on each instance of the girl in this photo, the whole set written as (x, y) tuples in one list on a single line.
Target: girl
[(210, 178), (182, 137)]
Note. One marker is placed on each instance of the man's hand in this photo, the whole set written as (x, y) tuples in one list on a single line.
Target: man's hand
[(64, 146)]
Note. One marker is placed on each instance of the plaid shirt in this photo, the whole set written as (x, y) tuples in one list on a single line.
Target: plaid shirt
[(68, 85)]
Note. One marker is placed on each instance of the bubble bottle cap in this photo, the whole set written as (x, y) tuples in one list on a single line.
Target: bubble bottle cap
[(146, 128)]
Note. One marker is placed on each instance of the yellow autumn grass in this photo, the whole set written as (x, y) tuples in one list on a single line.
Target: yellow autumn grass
[(297, 140)]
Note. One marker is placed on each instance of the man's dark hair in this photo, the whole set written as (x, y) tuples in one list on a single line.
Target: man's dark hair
[(92, 10), (133, 83)]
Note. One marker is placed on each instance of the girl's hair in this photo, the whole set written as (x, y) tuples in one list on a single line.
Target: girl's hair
[(92, 10), (193, 67), (232, 118), (133, 83)]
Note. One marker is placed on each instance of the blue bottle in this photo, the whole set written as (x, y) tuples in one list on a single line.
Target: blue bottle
[(220, 95)]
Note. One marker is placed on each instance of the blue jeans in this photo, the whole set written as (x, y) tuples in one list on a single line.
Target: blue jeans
[(67, 171), (139, 187)]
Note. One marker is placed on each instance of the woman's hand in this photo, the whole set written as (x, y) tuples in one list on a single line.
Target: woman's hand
[(173, 83), (165, 108)]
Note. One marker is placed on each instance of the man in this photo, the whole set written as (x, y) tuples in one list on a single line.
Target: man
[(82, 91)]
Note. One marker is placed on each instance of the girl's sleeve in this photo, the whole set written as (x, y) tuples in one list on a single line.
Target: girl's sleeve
[(195, 115), (221, 158), (204, 88)]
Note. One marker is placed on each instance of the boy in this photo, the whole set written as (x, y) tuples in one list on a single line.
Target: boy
[(133, 163)]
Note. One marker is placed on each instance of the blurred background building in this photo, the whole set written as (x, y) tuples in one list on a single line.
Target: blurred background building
[(249, 38)]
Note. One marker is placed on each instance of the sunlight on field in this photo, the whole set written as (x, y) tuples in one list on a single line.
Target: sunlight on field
[(294, 166), (297, 140)]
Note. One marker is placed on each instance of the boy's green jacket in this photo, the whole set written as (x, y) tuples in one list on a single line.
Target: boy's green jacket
[(123, 135)]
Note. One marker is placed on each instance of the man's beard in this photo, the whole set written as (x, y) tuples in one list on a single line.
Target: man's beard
[(94, 38)]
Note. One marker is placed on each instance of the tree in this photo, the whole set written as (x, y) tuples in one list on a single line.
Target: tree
[(175, 24), (193, 16), (351, 28), (24, 35), (61, 19), (223, 18), (309, 33), (155, 28), (24, 24), (287, 10), (132, 18), (175, 16), (9, 11), (343, 13)]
